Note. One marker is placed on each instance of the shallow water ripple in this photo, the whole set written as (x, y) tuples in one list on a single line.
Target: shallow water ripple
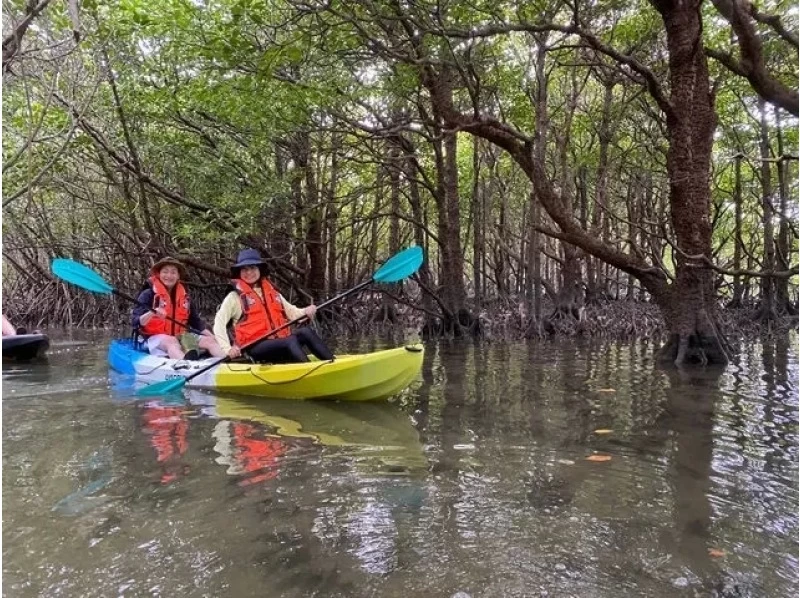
[(541, 469)]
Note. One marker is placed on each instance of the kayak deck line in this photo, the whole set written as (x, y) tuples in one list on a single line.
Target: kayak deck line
[(300, 377)]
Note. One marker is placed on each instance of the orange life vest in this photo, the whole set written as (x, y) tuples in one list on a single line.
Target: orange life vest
[(177, 311), (258, 316)]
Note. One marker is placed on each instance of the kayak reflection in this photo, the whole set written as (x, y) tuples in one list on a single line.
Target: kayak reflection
[(253, 438), (380, 438)]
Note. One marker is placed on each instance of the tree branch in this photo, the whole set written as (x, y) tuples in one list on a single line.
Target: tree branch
[(775, 22), (751, 64), (171, 196), (651, 81), (13, 41)]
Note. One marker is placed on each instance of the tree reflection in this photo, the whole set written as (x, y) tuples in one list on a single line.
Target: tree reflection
[(689, 420)]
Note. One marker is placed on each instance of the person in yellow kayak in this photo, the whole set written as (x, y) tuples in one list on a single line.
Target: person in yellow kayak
[(255, 307), (167, 296)]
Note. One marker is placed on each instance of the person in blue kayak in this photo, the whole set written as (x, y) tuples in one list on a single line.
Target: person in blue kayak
[(167, 296), (8, 327), (255, 308)]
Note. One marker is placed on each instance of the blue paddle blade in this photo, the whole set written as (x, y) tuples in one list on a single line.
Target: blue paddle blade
[(400, 266), (81, 276), (161, 388)]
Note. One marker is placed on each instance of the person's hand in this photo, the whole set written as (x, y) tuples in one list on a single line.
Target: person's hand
[(234, 352), (161, 312), (207, 332), (310, 311)]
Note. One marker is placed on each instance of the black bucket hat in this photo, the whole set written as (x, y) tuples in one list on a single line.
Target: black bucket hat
[(248, 257)]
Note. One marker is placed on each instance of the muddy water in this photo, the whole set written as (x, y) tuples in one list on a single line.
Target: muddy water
[(473, 482)]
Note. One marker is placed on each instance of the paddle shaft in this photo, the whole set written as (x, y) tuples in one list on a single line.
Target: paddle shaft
[(226, 359)]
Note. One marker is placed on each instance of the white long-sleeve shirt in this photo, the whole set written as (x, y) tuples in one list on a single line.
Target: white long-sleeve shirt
[(231, 310)]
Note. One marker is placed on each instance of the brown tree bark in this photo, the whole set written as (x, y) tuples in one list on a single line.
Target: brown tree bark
[(500, 254), (689, 305), (418, 213), (380, 191), (309, 252), (533, 292), (450, 233), (280, 241), (315, 276), (783, 243), (447, 199), (297, 175), (144, 200), (752, 64), (599, 217), (536, 264), (478, 223), (331, 219), (568, 300), (634, 207), (394, 166), (767, 311), (738, 287)]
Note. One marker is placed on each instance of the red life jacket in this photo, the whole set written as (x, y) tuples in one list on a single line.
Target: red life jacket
[(258, 316), (178, 311)]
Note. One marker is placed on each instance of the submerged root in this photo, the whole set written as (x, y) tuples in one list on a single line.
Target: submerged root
[(693, 349), (566, 319), (465, 323)]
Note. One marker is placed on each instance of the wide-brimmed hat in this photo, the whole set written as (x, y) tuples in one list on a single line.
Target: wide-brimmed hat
[(248, 257), (169, 261)]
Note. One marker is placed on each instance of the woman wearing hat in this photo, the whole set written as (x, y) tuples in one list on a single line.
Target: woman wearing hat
[(168, 298), (255, 307)]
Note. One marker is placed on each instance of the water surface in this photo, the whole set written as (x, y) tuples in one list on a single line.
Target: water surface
[(473, 482)]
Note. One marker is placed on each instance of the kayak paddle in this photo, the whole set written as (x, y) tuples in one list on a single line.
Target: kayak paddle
[(86, 278), (400, 266)]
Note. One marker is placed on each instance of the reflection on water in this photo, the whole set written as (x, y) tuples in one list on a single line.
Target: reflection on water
[(166, 426), (506, 470)]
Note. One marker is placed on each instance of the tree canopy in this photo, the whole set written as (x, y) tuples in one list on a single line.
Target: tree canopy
[(530, 147)]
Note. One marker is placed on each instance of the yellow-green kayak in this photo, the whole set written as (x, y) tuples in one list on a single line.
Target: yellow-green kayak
[(365, 377)]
